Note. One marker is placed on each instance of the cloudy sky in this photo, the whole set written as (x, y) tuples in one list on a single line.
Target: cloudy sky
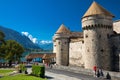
[(40, 19)]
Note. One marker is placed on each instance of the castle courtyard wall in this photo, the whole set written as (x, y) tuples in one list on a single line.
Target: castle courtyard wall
[(116, 27), (115, 42), (75, 53)]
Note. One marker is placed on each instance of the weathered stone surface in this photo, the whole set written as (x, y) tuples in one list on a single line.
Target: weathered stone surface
[(116, 27), (75, 53)]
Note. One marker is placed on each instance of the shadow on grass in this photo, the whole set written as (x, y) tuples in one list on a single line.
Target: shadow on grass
[(48, 77)]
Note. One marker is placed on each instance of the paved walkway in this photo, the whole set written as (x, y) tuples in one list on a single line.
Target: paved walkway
[(54, 74)]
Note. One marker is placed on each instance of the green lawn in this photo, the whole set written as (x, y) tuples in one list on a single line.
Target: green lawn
[(21, 77), (5, 71)]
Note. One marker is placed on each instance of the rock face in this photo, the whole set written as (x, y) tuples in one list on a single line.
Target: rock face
[(14, 35)]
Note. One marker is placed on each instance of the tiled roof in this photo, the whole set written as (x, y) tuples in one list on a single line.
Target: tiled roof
[(63, 29), (95, 9), (44, 56), (76, 34)]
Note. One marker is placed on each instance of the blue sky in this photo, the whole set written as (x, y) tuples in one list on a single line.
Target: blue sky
[(42, 18)]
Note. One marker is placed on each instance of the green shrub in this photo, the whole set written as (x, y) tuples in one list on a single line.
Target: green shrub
[(22, 67), (38, 70)]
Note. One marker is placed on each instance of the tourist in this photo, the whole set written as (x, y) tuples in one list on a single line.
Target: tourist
[(95, 69), (97, 73), (101, 73), (108, 76)]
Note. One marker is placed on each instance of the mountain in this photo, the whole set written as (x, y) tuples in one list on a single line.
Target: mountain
[(47, 46), (22, 39)]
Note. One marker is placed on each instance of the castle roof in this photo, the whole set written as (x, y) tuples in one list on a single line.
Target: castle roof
[(76, 34), (63, 29), (95, 9)]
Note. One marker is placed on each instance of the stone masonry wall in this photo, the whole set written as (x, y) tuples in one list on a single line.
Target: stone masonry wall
[(116, 27), (75, 53), (97, 30), (115, 42)]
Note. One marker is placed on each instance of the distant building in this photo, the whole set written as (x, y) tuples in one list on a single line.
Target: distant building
[(98, 44)]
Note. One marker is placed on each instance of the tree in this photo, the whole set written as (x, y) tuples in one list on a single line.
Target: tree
[(2, 37), (12, 51), (1, 41)]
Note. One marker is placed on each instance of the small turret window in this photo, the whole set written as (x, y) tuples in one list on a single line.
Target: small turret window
[(102, 50), (82, 42), (99, 36), (108, 36), (87, 50), (86, 36)]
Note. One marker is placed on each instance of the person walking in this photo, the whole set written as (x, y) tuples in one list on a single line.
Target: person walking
[(101, 73), (97, 73), (95, 69)]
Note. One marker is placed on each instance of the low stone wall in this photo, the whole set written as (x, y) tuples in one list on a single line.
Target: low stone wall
[(114, 75)]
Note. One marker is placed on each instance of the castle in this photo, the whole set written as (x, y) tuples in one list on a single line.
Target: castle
[(98, 44)]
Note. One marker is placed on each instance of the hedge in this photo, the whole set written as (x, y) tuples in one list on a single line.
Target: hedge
[(22, 67), (38, 71)]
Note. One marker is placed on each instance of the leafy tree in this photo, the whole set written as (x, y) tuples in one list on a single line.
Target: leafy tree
[(1, 41), (2, 37), (12, 51)]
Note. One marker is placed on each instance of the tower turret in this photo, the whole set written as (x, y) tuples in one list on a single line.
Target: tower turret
[(61, 45), (97, 27)]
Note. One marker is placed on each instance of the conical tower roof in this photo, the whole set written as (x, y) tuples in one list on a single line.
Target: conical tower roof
[(95, 9), (63, 29)]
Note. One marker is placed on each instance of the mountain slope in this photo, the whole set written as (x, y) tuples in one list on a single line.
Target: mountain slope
[(14, 35), (48, 46)]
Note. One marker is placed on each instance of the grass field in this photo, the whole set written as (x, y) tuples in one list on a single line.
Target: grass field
[(4, 73), (21, 77)]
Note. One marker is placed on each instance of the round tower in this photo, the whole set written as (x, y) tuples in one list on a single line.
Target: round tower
[(97, 27), (61, 45)]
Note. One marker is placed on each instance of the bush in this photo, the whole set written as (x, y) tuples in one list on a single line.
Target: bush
[(22, 67), (38, 70)]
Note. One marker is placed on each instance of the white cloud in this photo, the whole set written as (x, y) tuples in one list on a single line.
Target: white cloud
[(45, 42), (34, 40), (25, 33)]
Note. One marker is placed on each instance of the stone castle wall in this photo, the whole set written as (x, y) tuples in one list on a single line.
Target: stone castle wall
[(61, 48), (76, 53), (115, 42), (116, 27), (96, 40)]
